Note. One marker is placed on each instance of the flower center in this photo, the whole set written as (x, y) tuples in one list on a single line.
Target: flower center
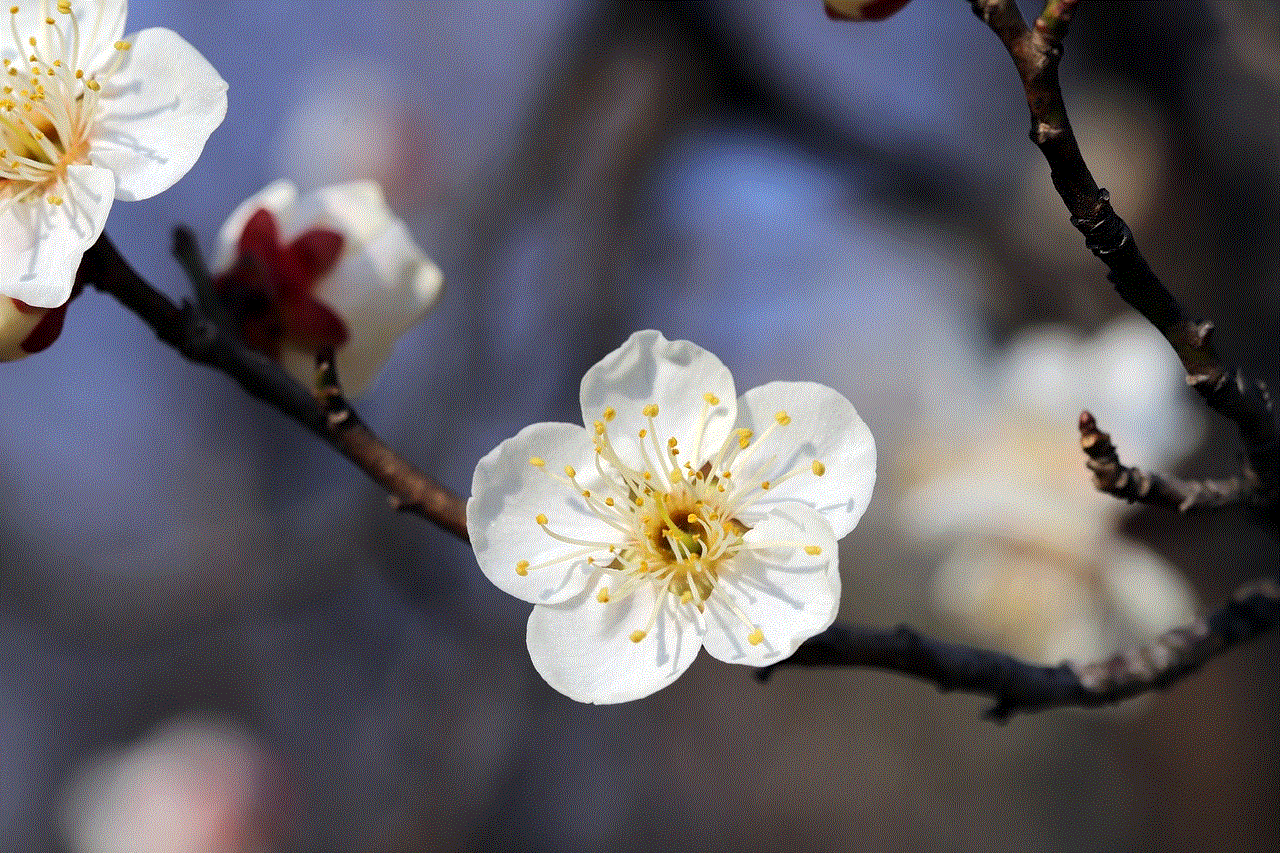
[(678, 527), (48, 103)]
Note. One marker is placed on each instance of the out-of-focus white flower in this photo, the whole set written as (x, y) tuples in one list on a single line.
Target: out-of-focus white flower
[(88, 116), (333, 268), (862, 10), (683, 516), (195, 786), (25, 330), (1035, 564)]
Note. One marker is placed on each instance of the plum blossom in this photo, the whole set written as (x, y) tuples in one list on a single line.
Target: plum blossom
[(196, 785), (88, 116), (330, 269), (25, 329), (683, 516), (1034, 561)]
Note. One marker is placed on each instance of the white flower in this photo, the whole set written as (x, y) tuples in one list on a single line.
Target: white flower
[(25, 330), (196, 785), (88, 116), (684, 516), (332, 268), (1036, 563)]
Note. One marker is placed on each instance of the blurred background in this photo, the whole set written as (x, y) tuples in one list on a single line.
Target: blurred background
[(217, 637)]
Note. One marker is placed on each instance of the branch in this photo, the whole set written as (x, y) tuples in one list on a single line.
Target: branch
[(1134, 485), (1021, 687), (187, 329), (1036, 53)]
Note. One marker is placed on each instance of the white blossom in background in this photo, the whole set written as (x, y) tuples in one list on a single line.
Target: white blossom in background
[(197, 785), (332, 268), (683, 516), (88, 116), (1034, 561), (25, 330)]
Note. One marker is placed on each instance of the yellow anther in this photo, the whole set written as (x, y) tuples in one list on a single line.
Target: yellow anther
[(537, 461), (671, 442), (598, 426), (650, 411), (522, 568), (782, 418), (756, 637), (693, 518), (818, 468), (55, 200), (637, 636), (712, 399), (541, 519), (64, 6), (79, 73), (32, 41), (586, 493), (812, 550), (92, 86), (569, 472), (603, 595), (686, 597), (765, 485), (48, 21), (609, 413), (123, 45), (643, 433), (608, 501), (13, 10), (648, 475)]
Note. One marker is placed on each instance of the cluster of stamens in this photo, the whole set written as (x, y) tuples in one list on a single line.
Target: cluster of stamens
[(48, 103), (678, 523)]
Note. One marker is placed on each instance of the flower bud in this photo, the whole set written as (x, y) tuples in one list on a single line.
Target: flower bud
[(862, 10), (331, 269), (25, 329)]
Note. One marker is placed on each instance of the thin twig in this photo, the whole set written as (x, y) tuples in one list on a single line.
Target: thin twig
[(187, 329), (1021, 687), (1112, 476), (1036, 52)]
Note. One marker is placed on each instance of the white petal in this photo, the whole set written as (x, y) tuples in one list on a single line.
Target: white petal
[(508, 493), (275, 197), (379, 292), (156, 113), (583, 648), (787, 593), (41, 244), (673, 374), (357, 209), (1145, 590), (824, 427)]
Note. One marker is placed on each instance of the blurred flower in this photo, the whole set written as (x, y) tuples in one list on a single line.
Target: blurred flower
[(685, 516), (334, 268), (25, 330), (1035, 563), (89, 117), (862, 10), (195, 786)]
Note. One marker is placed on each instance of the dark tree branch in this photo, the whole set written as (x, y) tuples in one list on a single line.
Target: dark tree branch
[(1134, 485), (187, 329), (1021, 687), (1036, 52)]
